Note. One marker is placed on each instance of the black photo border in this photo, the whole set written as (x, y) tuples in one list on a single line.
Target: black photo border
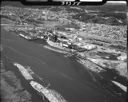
[(56, 3)]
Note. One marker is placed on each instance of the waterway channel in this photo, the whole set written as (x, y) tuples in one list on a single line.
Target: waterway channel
[(66, 76)]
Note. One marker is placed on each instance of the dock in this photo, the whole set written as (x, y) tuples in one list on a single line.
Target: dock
[(124, 88), (51, 95), (23, 71), (25, 37)]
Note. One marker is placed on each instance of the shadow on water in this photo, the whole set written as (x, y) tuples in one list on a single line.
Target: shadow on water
[(112, 74), (108, 76)]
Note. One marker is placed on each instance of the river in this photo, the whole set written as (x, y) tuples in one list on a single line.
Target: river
[(66, 76)]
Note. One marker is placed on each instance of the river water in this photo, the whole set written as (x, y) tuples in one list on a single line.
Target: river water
[(66, 76)]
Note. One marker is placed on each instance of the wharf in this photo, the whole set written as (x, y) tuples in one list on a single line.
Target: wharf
[(23, 71), (51, 95)]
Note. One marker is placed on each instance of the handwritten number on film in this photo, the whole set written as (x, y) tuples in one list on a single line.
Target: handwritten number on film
[(70, 3)]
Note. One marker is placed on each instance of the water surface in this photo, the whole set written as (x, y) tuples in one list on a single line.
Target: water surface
[(66, 76)]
